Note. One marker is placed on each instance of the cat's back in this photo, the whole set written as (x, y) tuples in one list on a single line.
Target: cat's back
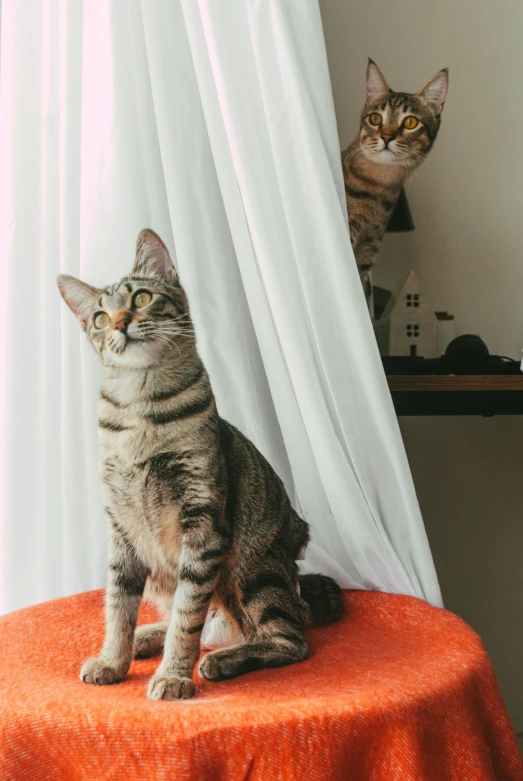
[(257, 501)]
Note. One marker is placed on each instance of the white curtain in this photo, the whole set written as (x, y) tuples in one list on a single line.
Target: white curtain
[(212, 123)]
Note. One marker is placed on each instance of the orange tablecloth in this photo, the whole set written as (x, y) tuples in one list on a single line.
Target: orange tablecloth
[(397, 691)]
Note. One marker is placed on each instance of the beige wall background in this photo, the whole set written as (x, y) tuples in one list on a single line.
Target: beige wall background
[(467, 205)]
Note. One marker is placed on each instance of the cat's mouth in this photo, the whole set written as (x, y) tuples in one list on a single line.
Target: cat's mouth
[(119, 342), (136, 352), (384, 156)]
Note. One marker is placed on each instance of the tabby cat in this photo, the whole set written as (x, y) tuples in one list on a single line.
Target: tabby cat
[(198, 519), (397, 132)]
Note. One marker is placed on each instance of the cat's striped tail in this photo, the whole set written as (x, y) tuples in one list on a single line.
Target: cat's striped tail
[(324, 598)]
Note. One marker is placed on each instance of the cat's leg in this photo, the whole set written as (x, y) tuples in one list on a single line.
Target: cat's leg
[(248, 657), (126, 582), (277, 617), (365, 252), (149, 640), (200, 559)]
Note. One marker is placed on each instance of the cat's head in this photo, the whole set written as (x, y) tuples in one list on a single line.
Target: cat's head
[(399, 128), (137, 321)]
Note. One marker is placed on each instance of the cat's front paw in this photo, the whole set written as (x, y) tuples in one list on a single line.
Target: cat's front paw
[(99, 672), (170, 687)]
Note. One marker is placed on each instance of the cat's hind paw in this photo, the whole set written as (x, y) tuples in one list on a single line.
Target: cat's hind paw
[(149, 640)]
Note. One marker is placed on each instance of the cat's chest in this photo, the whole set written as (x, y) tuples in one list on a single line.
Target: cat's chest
[(151, 524), (132, 439)]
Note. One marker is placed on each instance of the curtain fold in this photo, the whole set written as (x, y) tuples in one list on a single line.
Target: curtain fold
[(214, 125)]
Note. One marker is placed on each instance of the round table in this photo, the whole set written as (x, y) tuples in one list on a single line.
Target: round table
[(396, 691)]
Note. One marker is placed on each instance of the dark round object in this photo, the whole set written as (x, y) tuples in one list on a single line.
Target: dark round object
[(467, 354)]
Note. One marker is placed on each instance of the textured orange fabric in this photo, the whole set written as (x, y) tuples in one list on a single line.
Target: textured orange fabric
[(397, 691)]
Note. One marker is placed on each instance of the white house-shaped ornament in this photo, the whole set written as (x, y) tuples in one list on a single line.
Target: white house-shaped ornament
[(408, 325)]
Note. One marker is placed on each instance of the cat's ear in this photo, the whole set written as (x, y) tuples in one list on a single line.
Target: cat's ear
[(152, 258), (377, 86), (79, 297), (435, 92)]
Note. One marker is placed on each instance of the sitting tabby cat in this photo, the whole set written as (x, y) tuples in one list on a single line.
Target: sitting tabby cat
[(198, 519), (397, 132)]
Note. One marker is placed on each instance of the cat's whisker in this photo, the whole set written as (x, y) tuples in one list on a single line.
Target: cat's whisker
[(174, 319), (168, 322), (161, 329), (169, 332), (174, 328)]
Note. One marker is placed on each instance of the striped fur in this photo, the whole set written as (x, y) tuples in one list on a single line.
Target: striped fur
[(198, 519), (378, 162)]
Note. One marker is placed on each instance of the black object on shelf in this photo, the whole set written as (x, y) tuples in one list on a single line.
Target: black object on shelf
[(468, 354), (401, 218), (465, 355)]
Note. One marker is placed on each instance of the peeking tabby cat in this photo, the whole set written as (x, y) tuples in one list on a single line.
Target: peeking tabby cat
[(199, 521), (397, 132)]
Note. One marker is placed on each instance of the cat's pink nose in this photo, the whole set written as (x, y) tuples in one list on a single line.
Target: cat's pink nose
[(121, 320), (387, 137)]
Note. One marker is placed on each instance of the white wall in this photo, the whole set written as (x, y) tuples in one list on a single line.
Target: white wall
[(467, 205)]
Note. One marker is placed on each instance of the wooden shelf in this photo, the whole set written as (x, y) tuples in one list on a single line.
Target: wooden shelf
[(437, 394), (458, 382)]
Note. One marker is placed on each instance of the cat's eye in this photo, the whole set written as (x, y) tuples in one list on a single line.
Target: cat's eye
[(141, 299), (376, 119), (101, 320), (410, 123)]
